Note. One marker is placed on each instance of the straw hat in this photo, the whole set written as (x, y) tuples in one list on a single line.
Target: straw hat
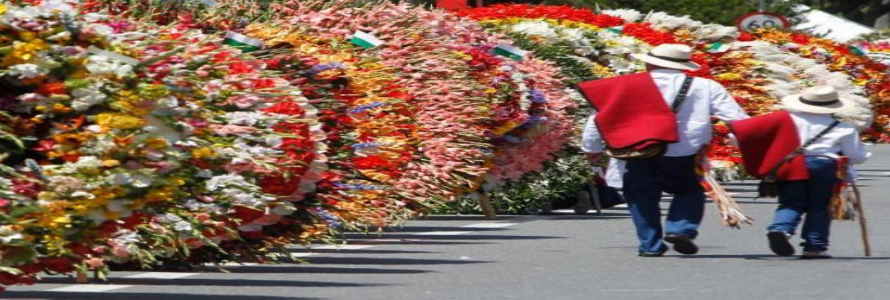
[(671, 56), (821, 99)]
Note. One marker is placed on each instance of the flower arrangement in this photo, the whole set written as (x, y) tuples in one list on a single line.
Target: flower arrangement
[(142, 145)]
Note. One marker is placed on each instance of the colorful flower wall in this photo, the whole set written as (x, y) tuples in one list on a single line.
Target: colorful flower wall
[(227, 132)]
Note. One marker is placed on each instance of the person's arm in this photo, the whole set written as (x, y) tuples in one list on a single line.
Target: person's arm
[(854, 149), (723, 106), (591, 141)]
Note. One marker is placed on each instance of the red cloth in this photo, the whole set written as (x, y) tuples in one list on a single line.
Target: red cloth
[(630, 111), (452, 4), (765, 141)]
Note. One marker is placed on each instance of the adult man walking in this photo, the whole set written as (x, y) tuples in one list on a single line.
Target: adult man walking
[(636, 111)]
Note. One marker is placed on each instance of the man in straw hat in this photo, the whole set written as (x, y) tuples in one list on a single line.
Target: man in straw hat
[(804, 149), (637, 111)]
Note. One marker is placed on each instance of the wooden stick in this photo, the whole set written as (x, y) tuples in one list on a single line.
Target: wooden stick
[(866, 246), (487, 208)]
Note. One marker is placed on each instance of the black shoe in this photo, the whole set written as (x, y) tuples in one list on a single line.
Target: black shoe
[(682, 243), (815, 255), (653, 254), (778, 242)]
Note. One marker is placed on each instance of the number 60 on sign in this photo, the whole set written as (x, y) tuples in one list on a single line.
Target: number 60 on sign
[(757, 20)]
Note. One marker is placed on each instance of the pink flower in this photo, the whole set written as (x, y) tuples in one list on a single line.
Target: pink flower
[(231, 129)]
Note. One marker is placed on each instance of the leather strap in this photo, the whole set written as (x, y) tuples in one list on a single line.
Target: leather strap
[(773, 173), (681, 95)]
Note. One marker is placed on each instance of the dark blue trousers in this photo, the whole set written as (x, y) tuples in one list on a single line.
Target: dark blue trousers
[(811, 198), (644, 183)]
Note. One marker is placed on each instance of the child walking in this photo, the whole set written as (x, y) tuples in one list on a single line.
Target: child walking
[(804, 149)]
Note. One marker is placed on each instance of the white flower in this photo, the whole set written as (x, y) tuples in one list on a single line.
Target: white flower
[(84, 98), (535, 28), (8, 234), (629, 15), (228, 180), (101, 30), (182, 226), (26, 71), (104, 65), (82, 194), (284, 209), (88, 162)]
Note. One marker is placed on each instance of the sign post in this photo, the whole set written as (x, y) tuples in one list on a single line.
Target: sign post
[(756, 20)]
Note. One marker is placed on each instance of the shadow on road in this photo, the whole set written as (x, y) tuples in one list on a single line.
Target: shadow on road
[(316, 270), (137, 296), (360, 251), (466, 218), (215, 282), (435, 228), (453, 237), (774, 257), (388, 261)]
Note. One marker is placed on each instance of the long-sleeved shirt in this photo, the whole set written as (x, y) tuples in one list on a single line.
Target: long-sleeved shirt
[(843, 139), (706, 98)]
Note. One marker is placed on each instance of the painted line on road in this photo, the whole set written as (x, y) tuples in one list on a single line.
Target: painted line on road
[(638, 290), (489, 225), (90, 288), (440, 233), (161, 275), (340, 247)]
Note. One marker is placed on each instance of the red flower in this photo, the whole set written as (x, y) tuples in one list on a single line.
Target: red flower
[(221, 57), (746, 37), (240, 67), (263, 83), (44, 146), (58, 264), (799, 38), (247, 214), (52, 88)]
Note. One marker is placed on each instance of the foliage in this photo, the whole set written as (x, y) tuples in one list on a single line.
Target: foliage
[(559, 179)]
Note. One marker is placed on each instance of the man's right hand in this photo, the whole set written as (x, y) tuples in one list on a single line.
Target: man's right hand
[(594, 157)]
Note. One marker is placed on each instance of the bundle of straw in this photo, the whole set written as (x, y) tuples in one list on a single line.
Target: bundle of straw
[(730, 212)]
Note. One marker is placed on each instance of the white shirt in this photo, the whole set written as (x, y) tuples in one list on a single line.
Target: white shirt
[(842, 139), (706, 98)]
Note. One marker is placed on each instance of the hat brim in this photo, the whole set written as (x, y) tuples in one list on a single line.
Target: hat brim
[(688, 66), (793, 102)]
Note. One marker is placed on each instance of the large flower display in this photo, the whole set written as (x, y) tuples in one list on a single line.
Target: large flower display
[(137, 145), (240, 127)]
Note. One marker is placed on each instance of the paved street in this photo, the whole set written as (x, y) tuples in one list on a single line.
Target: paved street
[(537, 257)]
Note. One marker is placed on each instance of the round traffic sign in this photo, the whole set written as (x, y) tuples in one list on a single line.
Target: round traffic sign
[(756, 20)]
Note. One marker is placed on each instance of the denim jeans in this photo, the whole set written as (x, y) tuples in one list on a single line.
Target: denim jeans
[(644, 183), (810, 197)]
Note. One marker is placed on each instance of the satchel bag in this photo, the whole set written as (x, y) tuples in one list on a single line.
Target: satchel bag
[(654, 149), (769, 187)]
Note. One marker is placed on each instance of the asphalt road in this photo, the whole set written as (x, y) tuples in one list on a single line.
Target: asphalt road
[(537, 257)]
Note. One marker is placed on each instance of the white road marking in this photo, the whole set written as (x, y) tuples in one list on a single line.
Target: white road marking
[(639, 290), (90, 288), (234, 264), (161, 275), (339, 247), (489, 225), (440, 233)]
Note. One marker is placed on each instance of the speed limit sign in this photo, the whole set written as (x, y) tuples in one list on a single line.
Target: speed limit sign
[(756, 20)]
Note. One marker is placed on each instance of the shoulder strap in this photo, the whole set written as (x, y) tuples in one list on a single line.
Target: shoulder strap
[(774, 171), (681, 95), (820, 135)]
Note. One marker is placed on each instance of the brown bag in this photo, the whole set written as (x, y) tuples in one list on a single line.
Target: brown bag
[(769, 186), (654, 149)]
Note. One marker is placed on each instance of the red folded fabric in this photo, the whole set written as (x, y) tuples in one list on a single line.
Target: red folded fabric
[(630, 111), (452, 4), (765, 141)]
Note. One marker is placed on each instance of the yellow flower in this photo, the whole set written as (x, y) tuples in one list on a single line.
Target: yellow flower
[(203, 152), (2, 9), (110, 163), (119, 121), (729, 76), (156, 143)]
